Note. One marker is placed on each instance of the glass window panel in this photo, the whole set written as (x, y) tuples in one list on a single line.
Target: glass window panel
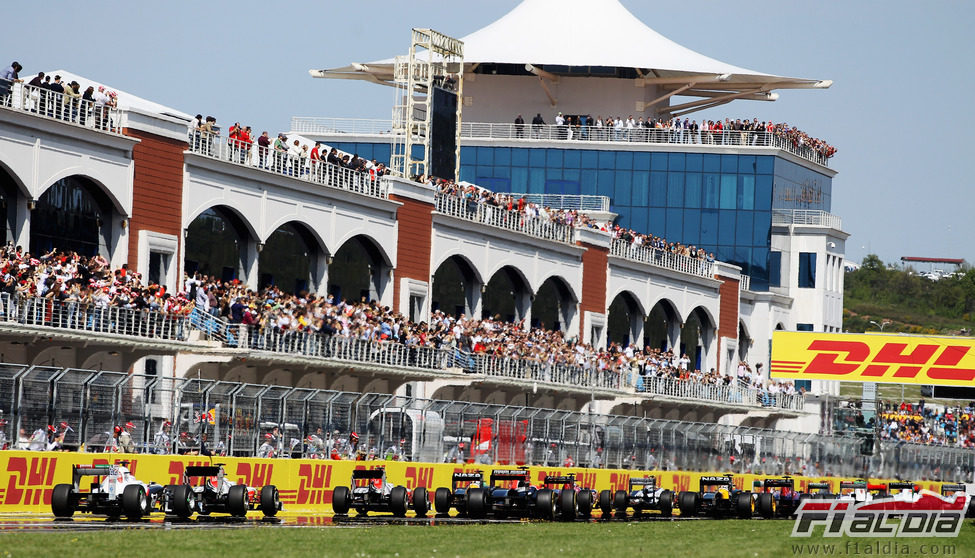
[(571, 159), (658, 218), (762, 228), (743, 259), (641, 188), (764, 164), (729, 191), (675, 225), (565, 187), (743, 228), (589, 159), (502, 156), (691, 233), (712, 163), (658, 189), (694, 161), (675, 189), (607, 160), (536, 158), (709, 227), (519, 179), (746, 191), (554, 158), (675, 162), (763, 192), (536, 180), (468, 155), (807, 270), (624, 160), (709, 190), (502, 171), (485, 155), (588, 182), (606, 182), (746, 164), (758, 270), (485, 171), (553, 173), (692, 189), (641, 161), (519, 157), (639, 220), (658, 161), (468, 174), (570, 174), (726, 226), (622, 187), (775, 268), (729, 163)]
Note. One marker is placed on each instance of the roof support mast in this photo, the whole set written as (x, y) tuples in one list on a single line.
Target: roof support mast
[(434, 60)]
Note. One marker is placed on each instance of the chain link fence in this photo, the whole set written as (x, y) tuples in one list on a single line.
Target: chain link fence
[(170, 415)]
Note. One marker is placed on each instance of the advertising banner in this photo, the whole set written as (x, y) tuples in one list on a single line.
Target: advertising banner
[(853, 357)]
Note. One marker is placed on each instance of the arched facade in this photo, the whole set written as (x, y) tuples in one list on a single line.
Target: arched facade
[(456, 287), (359, 270)]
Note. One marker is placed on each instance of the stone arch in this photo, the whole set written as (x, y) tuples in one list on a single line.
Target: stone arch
[(220, 242), (554, 305), (663, 325), (625, 319), (456, 287), (292, 257), (76, 213), (698, 338), (745, 340), (244, 374), (507, 295), (92, 176), (360, 268), (13, 203)]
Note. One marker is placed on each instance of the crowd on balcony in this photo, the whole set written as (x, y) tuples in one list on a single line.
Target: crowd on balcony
[(923, 423), (648, 243), (57, 98)]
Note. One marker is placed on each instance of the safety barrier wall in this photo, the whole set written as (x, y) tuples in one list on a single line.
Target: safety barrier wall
[(27, 478)]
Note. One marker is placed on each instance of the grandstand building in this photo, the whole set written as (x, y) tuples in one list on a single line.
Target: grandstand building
[(130, 184)]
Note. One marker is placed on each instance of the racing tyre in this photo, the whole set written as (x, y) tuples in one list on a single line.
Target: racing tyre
[(397, 501), (270, 500), (584, 500), (134, 501), (421, 501), (688, 504), (666, 503), (765, 505), (341, 500), (182, 502), (441, 500), (619, 501), (476, 502), (567, 505), (545, 504), (237, 500), (62, 504), (743, 505), (606, 503)]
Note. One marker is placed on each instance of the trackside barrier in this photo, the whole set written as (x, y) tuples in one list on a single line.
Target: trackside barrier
[(28, 478)]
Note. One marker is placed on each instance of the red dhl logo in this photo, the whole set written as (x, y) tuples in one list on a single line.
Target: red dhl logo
[(910, 362), (313, 484), (254, 474), (619, 481), (586, 480), (31, 481), (681, 482), (176, 469), (419, 476)]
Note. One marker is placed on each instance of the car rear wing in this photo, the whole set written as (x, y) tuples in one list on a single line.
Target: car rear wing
[(359, 474), (952, 487), (560, 479), (877, 486), (716, 480), (853, 484), (201, 471), (80, 471), (902, 485), (818, 486), (643, 481), (779, 483), (476, 476), (510, 475)]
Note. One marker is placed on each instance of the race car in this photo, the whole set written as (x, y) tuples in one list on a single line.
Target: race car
[(572, 501), (520, 500), (643, 495), (369, 491), (455, 497), (861, 491), (819, 490), (114, 492), (959, 489), (903, 491), (214, 493), (776, 497), (717, 497)]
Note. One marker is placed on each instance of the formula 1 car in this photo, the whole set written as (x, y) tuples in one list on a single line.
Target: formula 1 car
[(114, 492), (776, 497), (216, 494), (822, 490), (717, 498), (572, 501), (455, 497), (369, 491), (858, 491), (958, 489), (522, 500), (902, 490), (643, 495)]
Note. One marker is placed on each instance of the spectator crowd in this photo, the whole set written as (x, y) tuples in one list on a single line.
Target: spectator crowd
[(57, 98), (924, 423)]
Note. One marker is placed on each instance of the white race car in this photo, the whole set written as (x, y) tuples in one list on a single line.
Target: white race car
[(115, 492)]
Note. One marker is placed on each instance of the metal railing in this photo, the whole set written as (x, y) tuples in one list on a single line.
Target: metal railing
[(566, 201), (542, 372), (661, 258), (471, 210), (94, 318), (745, 283), (551, 132), (315, 423), (813, 217), (287, 164), (51, 105)]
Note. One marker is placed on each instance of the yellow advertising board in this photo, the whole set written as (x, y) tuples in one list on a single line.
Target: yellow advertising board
[(28, 478), (859, 357)]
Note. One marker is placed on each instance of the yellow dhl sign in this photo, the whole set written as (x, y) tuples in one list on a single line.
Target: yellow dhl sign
[(852, 357)]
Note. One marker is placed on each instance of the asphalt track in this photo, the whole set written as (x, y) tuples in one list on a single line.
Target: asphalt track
[(83, 522)]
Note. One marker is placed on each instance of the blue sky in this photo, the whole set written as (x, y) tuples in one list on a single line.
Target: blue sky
[(899, 110)]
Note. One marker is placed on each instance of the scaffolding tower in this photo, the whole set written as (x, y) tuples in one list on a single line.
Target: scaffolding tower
[(434, 60)]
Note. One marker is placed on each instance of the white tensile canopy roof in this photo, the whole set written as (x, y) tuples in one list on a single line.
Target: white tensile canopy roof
[(546, 33), (126, 101)]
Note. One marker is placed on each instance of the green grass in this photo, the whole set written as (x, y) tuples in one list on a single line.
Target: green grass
[(696, 539)]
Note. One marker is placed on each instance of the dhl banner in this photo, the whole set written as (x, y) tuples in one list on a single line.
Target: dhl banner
[(28, 478), (853, 357)]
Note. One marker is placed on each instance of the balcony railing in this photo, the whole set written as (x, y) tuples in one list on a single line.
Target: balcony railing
[(549, 132), (812, 217), (471, 210), (734, 394), (534, 371), (51, 105), (745, 283), (661, 258), (93, 318), (582, 203), (283, 163)]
